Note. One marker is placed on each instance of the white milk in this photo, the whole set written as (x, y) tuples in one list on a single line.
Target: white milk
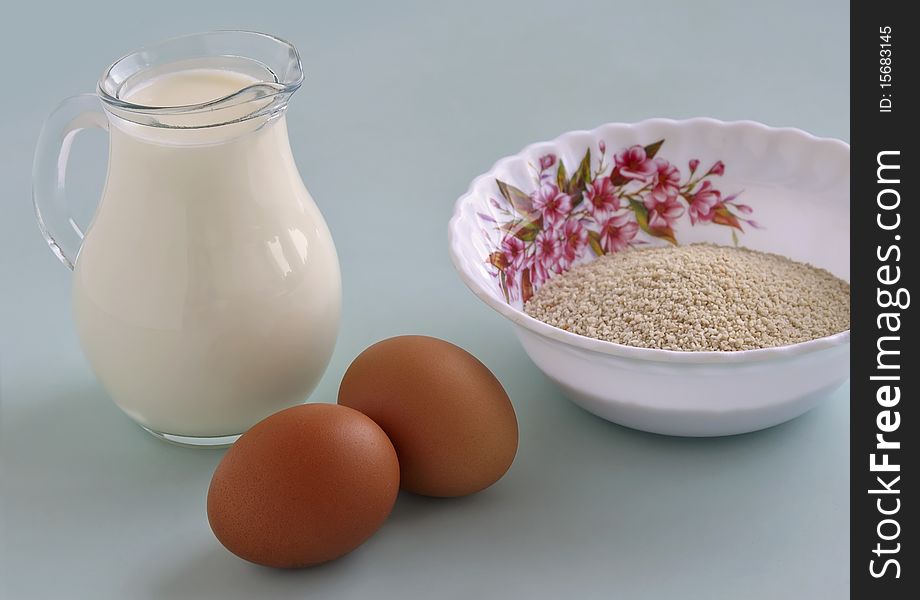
[(207, 292)]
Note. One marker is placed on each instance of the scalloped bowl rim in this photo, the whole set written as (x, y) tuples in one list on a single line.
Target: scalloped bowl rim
[(522, 319)]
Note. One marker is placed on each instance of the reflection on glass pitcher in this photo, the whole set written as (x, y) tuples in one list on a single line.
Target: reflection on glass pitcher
[(206, 289)]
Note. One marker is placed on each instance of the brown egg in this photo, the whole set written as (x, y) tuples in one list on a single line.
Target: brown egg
[(303, 486), (449, 418)]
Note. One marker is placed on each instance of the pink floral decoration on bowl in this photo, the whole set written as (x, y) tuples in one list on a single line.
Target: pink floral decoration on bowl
[(628, 198)]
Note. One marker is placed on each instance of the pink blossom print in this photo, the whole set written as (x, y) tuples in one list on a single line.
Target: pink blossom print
[(547, 161), (703, 203), (597, 207), (616, 233), (634, 163), (514, 252), (574, 242), (663, 215), (552, 204), (667, 181), (541, 270), (601, 199), (547, 250)]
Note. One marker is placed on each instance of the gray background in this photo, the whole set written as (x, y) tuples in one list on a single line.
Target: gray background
[(405, 102)]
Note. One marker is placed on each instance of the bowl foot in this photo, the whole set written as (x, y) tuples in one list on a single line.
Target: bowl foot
[(697, 423)]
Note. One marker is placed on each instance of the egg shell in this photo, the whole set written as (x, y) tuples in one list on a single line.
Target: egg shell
[(449, 418), (304, 486)]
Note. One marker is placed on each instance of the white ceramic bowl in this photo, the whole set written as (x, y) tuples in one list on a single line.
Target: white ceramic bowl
[(776, 190)]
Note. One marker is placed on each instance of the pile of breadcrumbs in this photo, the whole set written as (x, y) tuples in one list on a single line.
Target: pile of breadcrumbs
[(694, 298)]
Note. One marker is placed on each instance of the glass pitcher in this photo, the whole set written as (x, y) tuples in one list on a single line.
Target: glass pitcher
[(206, 288)]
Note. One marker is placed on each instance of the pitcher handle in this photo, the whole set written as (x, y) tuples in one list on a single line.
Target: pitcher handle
[(63, 234)]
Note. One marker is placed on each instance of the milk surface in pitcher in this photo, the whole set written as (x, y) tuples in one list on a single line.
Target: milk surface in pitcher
[(206, 291)]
